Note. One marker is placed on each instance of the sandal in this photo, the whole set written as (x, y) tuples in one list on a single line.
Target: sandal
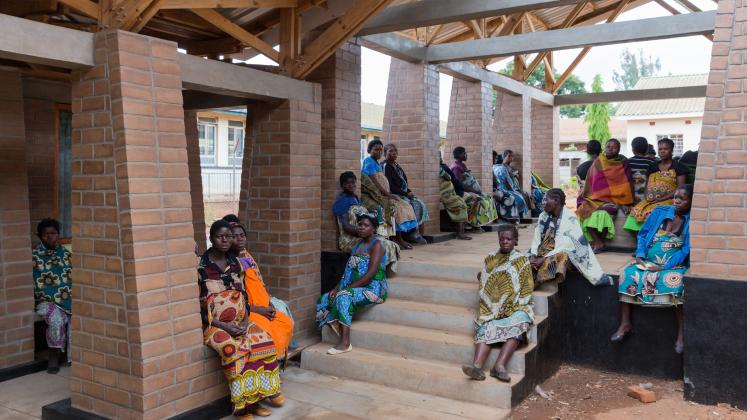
[(464, 237), (277, 400), (473, 372), (333, 351), (502, 375), (618, 337), (258, 410)]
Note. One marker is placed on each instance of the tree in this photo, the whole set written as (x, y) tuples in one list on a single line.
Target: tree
[(598, 116), (572, 85), (634, 66)]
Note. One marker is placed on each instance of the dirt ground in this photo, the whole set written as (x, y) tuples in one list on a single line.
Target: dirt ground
[(578, 392)]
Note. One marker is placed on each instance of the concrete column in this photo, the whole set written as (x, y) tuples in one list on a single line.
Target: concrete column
[(470, 115), (16, 283), (340, 77), (281, 202), (411, 122), (137, 341), (545, 143), (195, 178)]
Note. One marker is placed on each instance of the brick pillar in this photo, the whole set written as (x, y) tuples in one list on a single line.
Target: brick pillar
[(16, 283), (281, 202), (195, 178), (137, 342), (546, 142), (512, 123), (411, 122), (40, 121), (470, 115), (340, 77)]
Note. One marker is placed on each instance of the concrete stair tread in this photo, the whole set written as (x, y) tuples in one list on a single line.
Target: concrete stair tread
[(434, 282), (429, 307)]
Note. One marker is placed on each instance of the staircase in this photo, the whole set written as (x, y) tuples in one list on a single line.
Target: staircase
[(419, 338)]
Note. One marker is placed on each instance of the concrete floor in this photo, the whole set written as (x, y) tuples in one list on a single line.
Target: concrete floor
[(23, 398)]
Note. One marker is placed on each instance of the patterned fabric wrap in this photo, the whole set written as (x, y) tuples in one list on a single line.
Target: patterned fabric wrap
[(378, 204), (608, 182), (349, 300), (569, 239), (505, 290), (418, 206), (374, 199), (510, 198), (482, 209), (660, 184), (454, 204), (655, 288), (52, 273), (538, 194), (346, 242), (58, 326), (556, 265)]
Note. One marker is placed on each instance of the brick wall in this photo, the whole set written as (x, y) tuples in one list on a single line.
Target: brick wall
[(545, 142), (511, 125), (411, 122), (16, 284), (281, 202), (470, 115), (40, 119), (195, 179), (137, 342), (719, 211), (340, 77)]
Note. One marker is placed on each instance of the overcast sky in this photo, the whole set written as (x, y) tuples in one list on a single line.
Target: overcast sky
[(688, 55)]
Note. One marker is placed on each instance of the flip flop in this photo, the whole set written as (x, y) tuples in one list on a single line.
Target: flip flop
[(473, 372), (333, 351), (501, 376)]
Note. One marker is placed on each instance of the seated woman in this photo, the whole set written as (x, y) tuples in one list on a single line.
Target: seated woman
[(607, 188), (363, 283), (346, 208), (558, 241), (663, 177), (271, 314), (512, 203), (505, 313), (401, 189), (451, 191), (394, 214), (655, 278), (247, 352), (481, 207), (53, 285)]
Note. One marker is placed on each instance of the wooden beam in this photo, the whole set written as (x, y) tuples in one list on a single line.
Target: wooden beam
[(338, 33), (86, 7), (434, 34), (567, 22), (225, 25), (689, 6), (667, 7), (632, 95), (227, 4), (146, 16), (475, 28), (290, 37), (127, 13)]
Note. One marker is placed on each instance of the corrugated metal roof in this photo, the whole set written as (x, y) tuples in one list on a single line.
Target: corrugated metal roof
[(575, 130), (665, 106), (372, 118)]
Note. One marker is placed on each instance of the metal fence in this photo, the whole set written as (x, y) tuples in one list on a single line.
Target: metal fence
[(220, 184)]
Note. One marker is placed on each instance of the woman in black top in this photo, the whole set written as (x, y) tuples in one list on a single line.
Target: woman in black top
[(399, 186)]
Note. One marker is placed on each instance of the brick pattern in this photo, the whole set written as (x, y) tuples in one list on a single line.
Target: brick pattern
[(281, 202), (411, 122), (340, 77), (719, 211), (40, 121), (511, 125), (137, 342), (195, 179), (470, 115), (16, 284), (545, 142)]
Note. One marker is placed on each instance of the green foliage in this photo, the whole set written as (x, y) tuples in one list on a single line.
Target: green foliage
[(634, 66), (598, 116), (572, 85)]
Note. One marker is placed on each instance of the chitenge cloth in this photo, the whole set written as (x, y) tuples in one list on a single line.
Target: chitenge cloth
[(454, 204), (607, 187), (385, 207), (346, 242)]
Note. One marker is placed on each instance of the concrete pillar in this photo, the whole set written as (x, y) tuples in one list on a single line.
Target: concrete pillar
[(16, 284), (411, 122), (281, 202), (512, 123), (195, 178), (470, 115), (545, 142), (137, 341), (340, 77)]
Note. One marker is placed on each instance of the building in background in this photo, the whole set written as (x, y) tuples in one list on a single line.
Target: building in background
[(573, 139), (679, 119), (221, 133)]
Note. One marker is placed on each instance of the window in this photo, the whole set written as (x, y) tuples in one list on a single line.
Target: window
[(207, 130), (235, 142), (63, 204), (678, 142)]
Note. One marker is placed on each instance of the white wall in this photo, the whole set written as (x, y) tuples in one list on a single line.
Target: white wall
[(666, 126)]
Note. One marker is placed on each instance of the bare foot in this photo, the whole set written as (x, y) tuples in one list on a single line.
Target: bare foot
[(463, 237), (402, 244)]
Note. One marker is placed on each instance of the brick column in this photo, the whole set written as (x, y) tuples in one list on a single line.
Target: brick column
[(40, 121), (545, 143), (470, 115), (16, 283), (411, 122), (512, 124), (340, 77), (281, 202), (137, 342), (195, 178)]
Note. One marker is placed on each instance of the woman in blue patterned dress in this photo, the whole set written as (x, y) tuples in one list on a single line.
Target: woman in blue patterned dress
[(655, 278), (363, 283), (509, 197)]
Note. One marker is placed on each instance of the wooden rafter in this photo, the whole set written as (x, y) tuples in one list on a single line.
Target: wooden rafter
[(689, 5), (669, 8), (476, 29), (226, 4), (290, 37), (567, 23), (127, 12), (87, 7), (225, 25), (434, 34), (335, 35), (146, 16)]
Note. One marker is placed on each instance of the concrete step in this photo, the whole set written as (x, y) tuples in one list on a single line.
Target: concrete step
[(409, 373), (421, 314), (450, 347), (464, 273)]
